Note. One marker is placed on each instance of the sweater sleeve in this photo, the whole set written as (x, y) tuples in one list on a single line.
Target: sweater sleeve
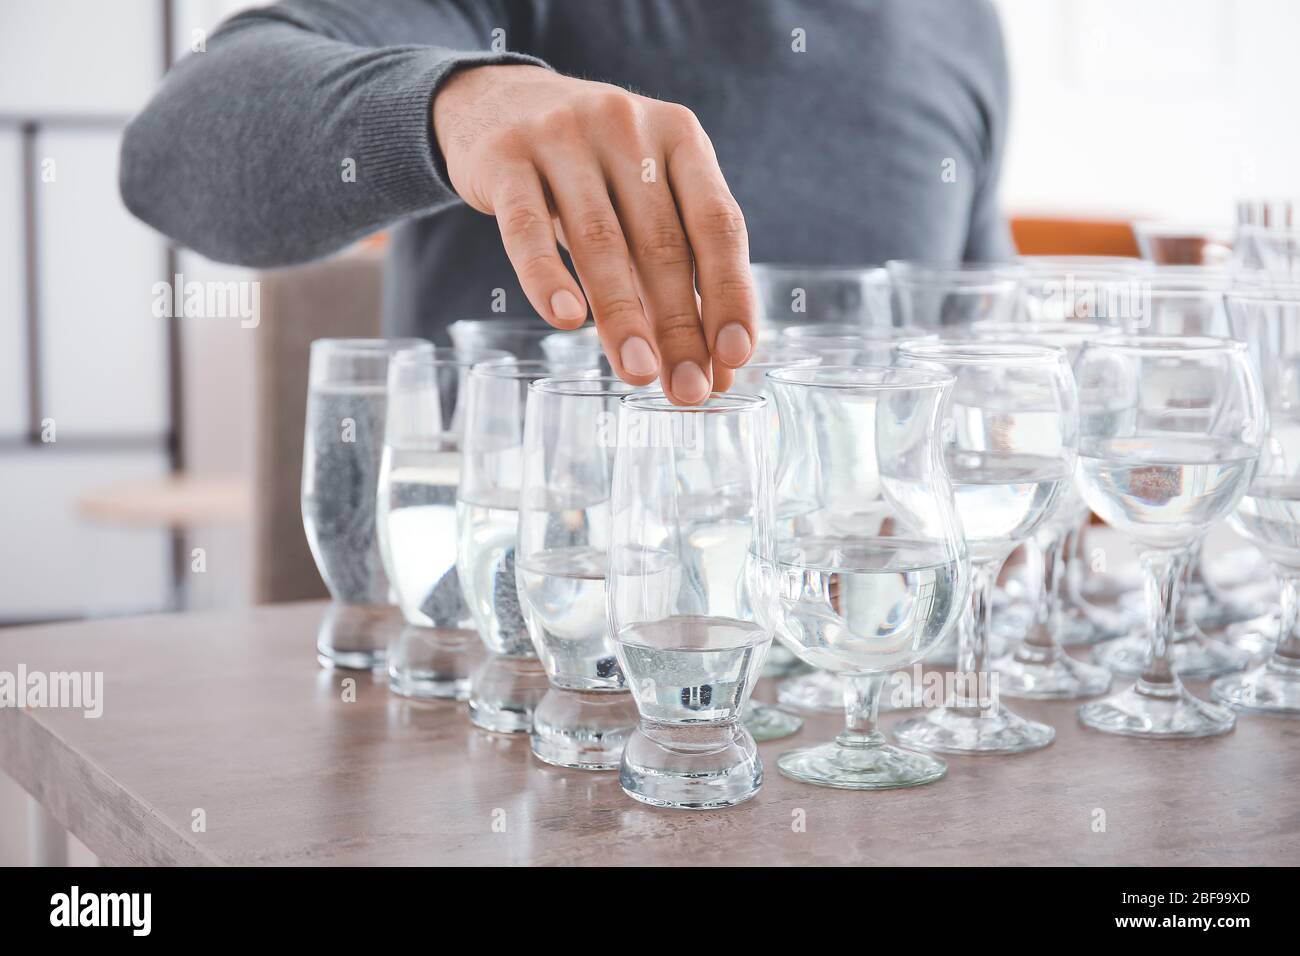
[(304, 126)]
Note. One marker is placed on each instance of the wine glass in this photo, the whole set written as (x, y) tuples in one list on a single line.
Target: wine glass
[(1010, 437), (932, 296), (1171, 431), (804, 294), (416, 519), (342, 447), (689, 597), (1269, 514), (508, 686), (564, 523), (1039, 666), (871, 568)]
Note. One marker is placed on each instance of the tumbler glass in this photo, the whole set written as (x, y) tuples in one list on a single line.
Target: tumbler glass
[(813, 295), (690, 599), (416, 520), (346, 403), (521, 337), (932, 296), (564, 522)]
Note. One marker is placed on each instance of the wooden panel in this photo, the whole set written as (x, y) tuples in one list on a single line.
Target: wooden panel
[(229, 713)]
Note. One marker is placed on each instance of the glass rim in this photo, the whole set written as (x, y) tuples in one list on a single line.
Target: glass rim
[(820, 271), (1167, 344), (918, 270), (718, 403), (870, 378), (1042, 327), (790, 355), (976, 352), (1278, 293), (515, 369), (516, 323), (568, 386), (796, 334), (446, 356)]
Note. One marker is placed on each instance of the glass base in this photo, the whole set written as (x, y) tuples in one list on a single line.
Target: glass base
[(1038, 673), (1088, 624), (1196, 657), (583, 730), (945, 653), (1273, 688), (433, 664), (780, 661), (1157, 710), (691, 766), (356, 636), (866, 766), (1257, 636), (769, 723), (970, 731), (1214, 609), (821, 691), (504, 692)]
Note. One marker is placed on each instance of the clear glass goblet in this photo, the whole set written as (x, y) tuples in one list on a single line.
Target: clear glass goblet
[(1171, 431), (813, 295), (1038, 667), (1010, 435), (569, 440), (506, 689), (871, 568), (933, 297), (416, 520), (690, 592), (1269, 514), (347, 398)]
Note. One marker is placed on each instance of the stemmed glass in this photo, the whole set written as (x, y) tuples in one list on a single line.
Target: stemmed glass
[(1039, 667), (690, 592), (1010, 435), (416, 519), (508, 686), (564, 523), (813, 295), (347, 396), (1269, 514), (1171, 431), (933, 296), (871, 568)]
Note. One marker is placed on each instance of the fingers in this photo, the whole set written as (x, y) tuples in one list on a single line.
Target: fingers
[(665, 277), (600, 255), (719, 241), (519, 205)]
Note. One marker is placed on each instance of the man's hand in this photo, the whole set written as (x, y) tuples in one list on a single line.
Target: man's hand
[(632, 188)]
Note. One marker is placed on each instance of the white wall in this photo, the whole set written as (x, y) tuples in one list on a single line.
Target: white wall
[(1168, 109)]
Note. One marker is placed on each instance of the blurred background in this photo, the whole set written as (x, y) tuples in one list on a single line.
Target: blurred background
[(150, 463)]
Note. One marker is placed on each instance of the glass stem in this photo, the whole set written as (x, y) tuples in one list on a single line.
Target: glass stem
[(974, 693), (861, 703), (1072, 549), (1047, 566), (1287, 653), (1163, 570)]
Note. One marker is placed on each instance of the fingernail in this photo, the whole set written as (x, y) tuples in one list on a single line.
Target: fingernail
[(566, 307), (637, 357), (690, 384), (732, 344)]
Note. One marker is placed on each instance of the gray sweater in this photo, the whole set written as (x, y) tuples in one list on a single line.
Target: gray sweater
[(881, 138)]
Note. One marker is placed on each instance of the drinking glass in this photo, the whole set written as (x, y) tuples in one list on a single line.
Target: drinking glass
[(1171, 431), (521, 337), (841, 344), (508, 686), (1039, 666), (811, 295), (932, 296), (346, 402), (689, 596), (871, 567), (1010, 435), (1185, 301), (564, 522), (1269, 514), (416, 520), (579, 349)]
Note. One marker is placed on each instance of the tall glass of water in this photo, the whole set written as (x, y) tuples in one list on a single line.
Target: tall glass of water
[(1171, 432), (416, 515), (347, 399), (871, 568), (569, 440), (690, 602), (508, 686)]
